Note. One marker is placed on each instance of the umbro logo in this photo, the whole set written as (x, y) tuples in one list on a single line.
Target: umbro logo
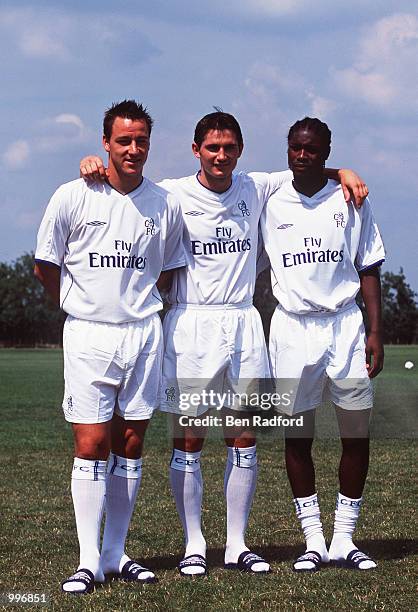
[(96, 223), (285, 226), (194, 213)]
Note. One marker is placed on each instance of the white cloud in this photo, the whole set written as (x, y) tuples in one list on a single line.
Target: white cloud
[(321, 107), (60, 132), (27, 219), (42, 44), (70, 119), (385, 70), (17, 154), (33, 33), (71, 36), (273, 8)]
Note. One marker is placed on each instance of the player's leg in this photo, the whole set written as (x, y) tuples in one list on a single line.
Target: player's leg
[(88, 487), (352, 394), (240, 482), (194, 356), (301, 473), (123, 480), (137, 399), (187, 488), (298, 346), (89, 408), (245, 378), (353, 468)]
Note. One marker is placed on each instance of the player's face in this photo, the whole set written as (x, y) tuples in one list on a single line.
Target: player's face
[(218, 153), (128, 146), (306, 154)]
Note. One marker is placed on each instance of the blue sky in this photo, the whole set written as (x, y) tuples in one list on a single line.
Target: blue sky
[(269, 62)]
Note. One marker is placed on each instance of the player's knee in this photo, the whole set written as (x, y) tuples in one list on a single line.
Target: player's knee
[(92, 451), (243, 441), (188, 444), (298, 448), (93, 446)]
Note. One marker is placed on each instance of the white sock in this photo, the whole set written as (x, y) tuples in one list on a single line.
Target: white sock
[(122, 485), (239, 488), (309, 514), (88, 487), (187, 487), (347, 512)]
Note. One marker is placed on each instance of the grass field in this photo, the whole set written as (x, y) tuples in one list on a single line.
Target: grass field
[(38, 539)]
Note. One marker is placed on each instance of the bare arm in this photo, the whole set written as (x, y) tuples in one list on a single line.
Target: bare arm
[(370, 291), (49, 275), (354, 188)]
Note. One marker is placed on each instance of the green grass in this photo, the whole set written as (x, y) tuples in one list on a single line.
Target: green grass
[(38, 541)]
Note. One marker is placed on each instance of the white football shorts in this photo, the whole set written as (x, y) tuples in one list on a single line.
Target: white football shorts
[(311, 354), (215, 356), (111, 368)]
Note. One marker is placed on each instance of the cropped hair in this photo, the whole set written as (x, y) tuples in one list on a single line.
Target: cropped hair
[(217, 121), (316, 126), (127, 109)]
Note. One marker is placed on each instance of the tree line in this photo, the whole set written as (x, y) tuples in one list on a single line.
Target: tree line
[(28, 318)]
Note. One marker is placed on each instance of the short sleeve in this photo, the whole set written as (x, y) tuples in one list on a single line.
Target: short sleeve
[(371, 251), (53, 231), (174, 256)]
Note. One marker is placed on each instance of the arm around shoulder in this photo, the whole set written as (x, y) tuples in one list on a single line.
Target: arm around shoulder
[(354, 188)]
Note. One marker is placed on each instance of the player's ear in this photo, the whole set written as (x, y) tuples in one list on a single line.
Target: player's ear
[(106, 145), (241, 150), (196, 150)]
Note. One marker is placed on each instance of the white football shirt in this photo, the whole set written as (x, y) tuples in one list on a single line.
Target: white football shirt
[(220, 238), (317, 246), (111, 248)]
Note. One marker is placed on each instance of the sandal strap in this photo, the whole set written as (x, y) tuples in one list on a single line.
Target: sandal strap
[(357, 556), (193, 560), (132, 570), (310, 555)]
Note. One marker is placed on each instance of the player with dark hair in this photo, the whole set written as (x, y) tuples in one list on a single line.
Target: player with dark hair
[(322, 252), (127, 109), (219, 122), (101, 250), (213, 334)]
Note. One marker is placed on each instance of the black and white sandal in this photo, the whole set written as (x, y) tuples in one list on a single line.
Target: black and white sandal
[(134, 572), (246, 562), (356, 558), (84, 577), (311, 557), (190, 561)]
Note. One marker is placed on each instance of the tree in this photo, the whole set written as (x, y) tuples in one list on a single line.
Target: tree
[(400, 312), (27, 316)]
